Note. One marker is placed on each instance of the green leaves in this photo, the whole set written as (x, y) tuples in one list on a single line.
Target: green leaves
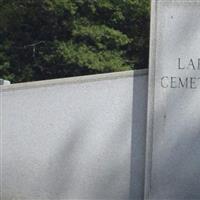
[(82, 55), (42, 39), (61, 6), (100, 36)]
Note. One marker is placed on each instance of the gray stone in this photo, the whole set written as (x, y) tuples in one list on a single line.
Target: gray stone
[(74, 138), (173, 130), (4, 82), (1, 81)]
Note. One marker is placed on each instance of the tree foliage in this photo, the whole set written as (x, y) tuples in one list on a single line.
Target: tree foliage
[(43, 39)]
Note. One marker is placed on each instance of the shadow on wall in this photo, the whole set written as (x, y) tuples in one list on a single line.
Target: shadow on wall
[(105, 176), (138, 142), (111, 173), (90, 148)]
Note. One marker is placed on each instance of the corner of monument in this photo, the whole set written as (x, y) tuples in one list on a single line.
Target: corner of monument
[(4, 82)]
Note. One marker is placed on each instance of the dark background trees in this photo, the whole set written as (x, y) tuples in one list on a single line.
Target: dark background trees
[(44, 39)]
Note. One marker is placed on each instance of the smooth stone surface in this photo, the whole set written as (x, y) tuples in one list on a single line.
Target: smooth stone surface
[(173, 132), (74, 138), (4, 82)]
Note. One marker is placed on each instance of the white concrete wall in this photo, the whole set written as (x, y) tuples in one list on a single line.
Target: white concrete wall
[(75, 138)]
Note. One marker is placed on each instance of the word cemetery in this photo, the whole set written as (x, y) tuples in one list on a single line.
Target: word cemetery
[(183, 82)]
